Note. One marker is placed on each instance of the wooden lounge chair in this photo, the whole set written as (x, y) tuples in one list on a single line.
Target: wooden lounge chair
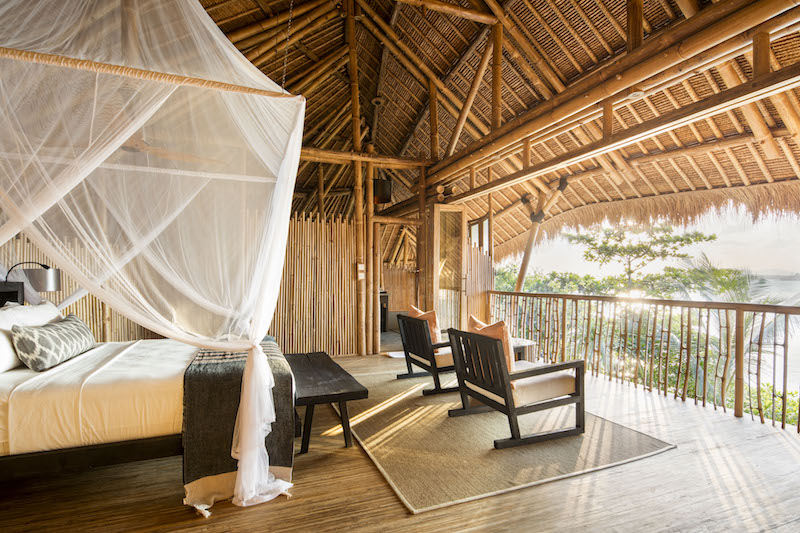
[(420, 351), (483, 374)]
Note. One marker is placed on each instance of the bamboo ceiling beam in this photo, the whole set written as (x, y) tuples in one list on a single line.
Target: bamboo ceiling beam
[(298, 32), (704, 148), (497, 81), (269, 23), (780, 25), (751, 113), (783, 80), (524, 45), (712, 25), (473, 91), (400, 48), (553, 35), (397, 220), (319, 70), (320, 155), (635, 14), (480, 37), (452, 9), (277, 35), (382, 75), (433, 99)]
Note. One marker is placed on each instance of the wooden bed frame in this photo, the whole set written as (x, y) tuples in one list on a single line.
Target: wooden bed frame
[(80, 458), (13, 467)]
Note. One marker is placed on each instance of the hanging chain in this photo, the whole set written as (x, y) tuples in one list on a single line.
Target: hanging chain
[(286, 49)]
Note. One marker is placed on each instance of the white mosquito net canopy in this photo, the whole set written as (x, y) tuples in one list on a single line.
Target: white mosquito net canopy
[(155, 165)]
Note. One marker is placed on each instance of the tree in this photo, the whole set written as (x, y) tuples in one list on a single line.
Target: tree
[(635, 248)]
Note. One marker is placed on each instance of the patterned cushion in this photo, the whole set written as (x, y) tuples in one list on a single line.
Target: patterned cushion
[(43, 347)]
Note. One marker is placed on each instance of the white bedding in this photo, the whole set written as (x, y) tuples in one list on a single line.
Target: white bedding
[(114, 392)]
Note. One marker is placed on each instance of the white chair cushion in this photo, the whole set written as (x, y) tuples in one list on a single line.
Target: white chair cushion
[(444, 357), (21, 315), (543, 387)]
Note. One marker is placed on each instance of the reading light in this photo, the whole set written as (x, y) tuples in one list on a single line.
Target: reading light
[(44, 279)]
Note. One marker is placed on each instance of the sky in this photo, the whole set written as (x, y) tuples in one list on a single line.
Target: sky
[(766, 247)]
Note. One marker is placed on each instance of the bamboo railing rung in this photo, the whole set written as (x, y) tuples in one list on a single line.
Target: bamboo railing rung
[(681, 348)]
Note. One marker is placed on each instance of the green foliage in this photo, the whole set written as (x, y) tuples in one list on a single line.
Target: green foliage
[(693, 278), (634, 248)]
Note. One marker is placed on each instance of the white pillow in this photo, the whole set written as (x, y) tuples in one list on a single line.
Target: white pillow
[(22, 315)]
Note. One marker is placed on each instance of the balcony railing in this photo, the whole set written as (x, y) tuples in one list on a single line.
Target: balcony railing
[(725, 355)]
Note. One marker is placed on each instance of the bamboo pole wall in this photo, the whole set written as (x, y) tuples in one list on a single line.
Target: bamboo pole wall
[(315, 305), (89, 308), (317, 301)]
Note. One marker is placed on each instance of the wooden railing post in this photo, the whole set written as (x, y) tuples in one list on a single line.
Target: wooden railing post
[(738, 386)]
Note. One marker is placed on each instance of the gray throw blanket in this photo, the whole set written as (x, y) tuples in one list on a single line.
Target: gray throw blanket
[(211, 387)]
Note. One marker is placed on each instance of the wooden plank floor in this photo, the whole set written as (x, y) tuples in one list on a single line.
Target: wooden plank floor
[(727, 474)]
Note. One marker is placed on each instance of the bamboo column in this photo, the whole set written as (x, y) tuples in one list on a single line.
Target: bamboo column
[(536, 220), (738, 384), (434, 120), (358, 178), (422, 231), (497, 73), (490, 214), (376, 293), (371, 236)]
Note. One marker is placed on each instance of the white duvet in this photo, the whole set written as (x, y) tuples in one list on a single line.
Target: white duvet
[(114, 392)]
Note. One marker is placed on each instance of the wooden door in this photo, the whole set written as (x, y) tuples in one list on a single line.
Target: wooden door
[(448, 265)]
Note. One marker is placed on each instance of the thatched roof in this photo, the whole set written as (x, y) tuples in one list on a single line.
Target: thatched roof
[(660, 175)]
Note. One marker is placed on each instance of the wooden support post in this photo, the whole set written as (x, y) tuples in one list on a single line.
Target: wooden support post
[(490, 214), (422, 232), (738, 385), (635, 24), (433, 96), (376, 293), (358, 188), (472, 177), (536, 220), (497, 73), (370, 237), (608, 119), (361, 274), (526, 153), (761, 54)]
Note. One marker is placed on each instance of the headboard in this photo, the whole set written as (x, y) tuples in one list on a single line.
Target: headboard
[(12, 291)]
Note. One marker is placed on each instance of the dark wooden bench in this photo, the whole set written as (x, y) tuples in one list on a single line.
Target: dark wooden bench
[(319, 380)]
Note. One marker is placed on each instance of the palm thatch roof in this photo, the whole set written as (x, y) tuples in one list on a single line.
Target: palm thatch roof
[(748, 154)]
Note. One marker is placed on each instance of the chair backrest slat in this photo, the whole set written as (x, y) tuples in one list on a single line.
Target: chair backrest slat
[(416, 336), (480, 360)]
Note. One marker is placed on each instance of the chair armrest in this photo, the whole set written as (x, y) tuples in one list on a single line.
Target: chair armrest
[(442, 345), (578, 365)]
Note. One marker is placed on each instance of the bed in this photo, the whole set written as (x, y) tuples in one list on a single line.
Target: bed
[(125, 401), (114, 392)]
